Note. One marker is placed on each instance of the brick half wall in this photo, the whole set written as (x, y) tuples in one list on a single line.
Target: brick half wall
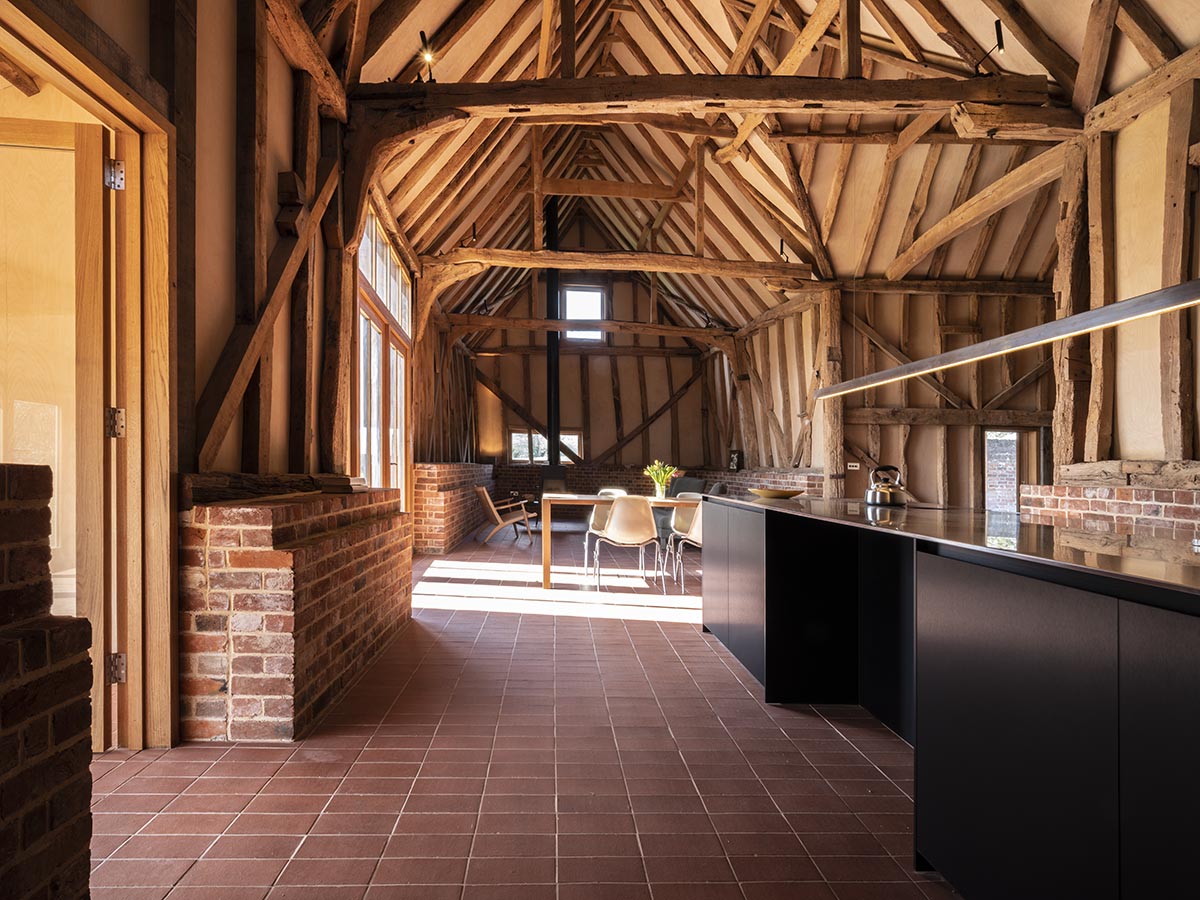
[(284, 604), (446, 509), (45, 707), (1117, 509)]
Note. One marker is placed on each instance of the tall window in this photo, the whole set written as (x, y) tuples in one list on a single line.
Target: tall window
[(384, 322), (583, 304), (380, 265)]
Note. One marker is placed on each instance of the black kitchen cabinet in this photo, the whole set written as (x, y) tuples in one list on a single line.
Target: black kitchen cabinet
[(797, 636), (1160, 734), (1017, 732), (747, 533), (714, 559), (886, 642)]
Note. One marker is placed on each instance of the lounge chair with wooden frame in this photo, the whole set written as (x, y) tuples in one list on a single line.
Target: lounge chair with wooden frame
[(512, 513)]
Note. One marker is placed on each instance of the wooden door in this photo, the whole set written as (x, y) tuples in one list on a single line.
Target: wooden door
[(54, 220)]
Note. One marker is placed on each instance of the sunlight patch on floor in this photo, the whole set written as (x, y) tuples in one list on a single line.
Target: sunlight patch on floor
[(512, 588)]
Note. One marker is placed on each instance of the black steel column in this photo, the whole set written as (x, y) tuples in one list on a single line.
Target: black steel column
[(553, 426)]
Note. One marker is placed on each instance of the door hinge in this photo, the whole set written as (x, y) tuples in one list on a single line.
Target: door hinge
[(114, 422), (114, 174), (114, 668)]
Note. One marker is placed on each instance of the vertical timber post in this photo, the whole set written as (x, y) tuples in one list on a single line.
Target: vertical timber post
[(553, 424)]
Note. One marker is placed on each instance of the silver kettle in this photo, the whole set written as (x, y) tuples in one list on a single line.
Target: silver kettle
[(885, 488)]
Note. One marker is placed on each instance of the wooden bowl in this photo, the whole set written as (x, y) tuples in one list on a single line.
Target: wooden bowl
[(772, 494)]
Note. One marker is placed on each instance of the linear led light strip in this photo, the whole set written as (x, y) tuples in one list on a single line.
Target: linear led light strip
[(1155, 303)]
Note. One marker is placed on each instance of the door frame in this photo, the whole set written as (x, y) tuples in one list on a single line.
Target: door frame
[(57, 49)]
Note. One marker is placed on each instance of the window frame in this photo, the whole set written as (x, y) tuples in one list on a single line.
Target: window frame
[(376, 309), (606, 311), (529, 433)]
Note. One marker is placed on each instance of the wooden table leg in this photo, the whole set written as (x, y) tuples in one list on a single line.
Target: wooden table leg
[(546, 507)]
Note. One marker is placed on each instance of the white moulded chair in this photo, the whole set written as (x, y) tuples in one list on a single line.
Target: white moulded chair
[(681, 521), (694, 536), (597, 519), (630, 524)]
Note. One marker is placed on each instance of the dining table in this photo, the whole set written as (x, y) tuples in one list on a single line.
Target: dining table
[(549, 501)]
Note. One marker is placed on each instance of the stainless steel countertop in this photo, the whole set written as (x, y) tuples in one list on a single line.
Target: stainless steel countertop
[(1141, 557)]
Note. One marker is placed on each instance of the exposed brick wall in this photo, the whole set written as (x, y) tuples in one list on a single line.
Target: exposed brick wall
[(589, 479), (284, 603), (446, 509), (1112, 508), (45, 707)]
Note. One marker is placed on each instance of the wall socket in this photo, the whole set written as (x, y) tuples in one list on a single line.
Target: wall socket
[(853, 466)]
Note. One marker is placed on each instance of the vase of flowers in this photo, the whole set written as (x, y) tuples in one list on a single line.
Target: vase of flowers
[(661, 474)]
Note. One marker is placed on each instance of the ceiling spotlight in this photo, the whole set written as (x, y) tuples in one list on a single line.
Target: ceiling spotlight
[(998, 47), (427, 57)]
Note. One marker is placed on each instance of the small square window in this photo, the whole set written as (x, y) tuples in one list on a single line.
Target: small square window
[(583, 304)]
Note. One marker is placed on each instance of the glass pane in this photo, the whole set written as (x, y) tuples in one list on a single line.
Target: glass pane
[(583, 303), (540, 446), (366, 249), (518, 450), (405, 302), (376, 407), (571, 441), (396, 422), (364, 396), (393, 286), (382, 253)]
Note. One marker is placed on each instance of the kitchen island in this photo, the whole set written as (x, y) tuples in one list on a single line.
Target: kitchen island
[(1047, 684)]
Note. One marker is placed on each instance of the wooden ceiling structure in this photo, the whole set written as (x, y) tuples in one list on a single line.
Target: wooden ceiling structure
[(761, 160)]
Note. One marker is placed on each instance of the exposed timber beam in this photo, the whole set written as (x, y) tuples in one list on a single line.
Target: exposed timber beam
[(1001, 193), (872, 334), (1155, 45), (573, 350), (985, 121), (466, 258), (587, 187), (678, 124), (1033, 376), (356, 46), (300, 48), (888, 137), (16, 75), (803, 45), (951, 31), (466, 322), (994, 418), (1121, 109), (850, 57), (226, 386), (794, 307), (386, 18), (931, 286), (704, 94), (1097, 42)]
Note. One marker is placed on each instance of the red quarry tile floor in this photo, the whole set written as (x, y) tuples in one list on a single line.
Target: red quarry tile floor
[(516, 743)]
